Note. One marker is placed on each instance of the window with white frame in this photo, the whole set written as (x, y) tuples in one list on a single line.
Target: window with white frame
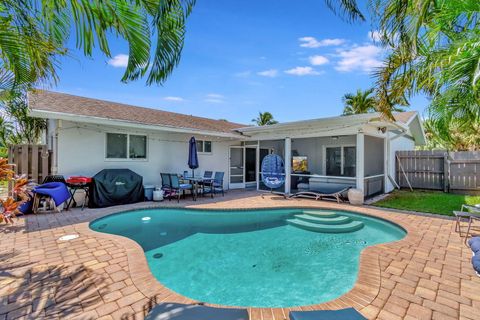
[(126, 146), (204, 146), (340, 161)]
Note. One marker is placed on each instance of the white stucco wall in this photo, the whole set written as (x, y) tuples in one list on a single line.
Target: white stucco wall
[(81, 151), (399, 144)]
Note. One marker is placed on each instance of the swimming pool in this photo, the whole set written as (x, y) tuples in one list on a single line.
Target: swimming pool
[(254, 258)]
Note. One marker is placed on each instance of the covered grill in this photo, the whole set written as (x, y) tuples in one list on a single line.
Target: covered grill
[(112, 187)]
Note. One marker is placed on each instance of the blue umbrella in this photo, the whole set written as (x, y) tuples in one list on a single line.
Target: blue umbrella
[(192, 155)]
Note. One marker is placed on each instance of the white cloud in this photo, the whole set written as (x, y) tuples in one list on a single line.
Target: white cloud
[(174, 99), (211, 100), (318, 60), (302, 71), (119, 61), (360, 58), (311, 42), (271, 73), (374, 36), (214, 98)]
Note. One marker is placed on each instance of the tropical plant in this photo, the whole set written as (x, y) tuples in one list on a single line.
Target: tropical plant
[(264, 119), (360, 102), (21, 192), (456, 136), (435, 50), (33, 35), (23, 128)]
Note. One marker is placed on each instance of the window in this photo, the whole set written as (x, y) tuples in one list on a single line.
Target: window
[(340, 161), (204, 146), (126, 146), (138, 147)]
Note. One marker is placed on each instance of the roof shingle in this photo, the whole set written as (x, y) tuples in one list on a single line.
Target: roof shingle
[(42, 100)]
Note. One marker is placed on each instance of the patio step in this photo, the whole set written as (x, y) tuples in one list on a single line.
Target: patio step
[(326, 228), (328, 220), (322, 214)]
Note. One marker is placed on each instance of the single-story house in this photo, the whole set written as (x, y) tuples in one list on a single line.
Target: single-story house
[(87, 135)]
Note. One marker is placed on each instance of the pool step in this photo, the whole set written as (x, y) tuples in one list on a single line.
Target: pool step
[(316, 219), (326, 228), (323, 214)]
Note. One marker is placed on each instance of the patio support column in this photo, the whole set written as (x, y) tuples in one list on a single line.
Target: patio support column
[(288, 164), (386, 153), (360, 166)]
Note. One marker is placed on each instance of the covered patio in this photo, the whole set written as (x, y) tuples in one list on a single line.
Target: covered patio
[(356, 152)]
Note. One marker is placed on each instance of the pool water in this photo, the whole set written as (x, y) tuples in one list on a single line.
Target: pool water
[(248, 258)]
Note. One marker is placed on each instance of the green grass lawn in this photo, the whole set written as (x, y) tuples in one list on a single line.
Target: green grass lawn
[(426, 201)]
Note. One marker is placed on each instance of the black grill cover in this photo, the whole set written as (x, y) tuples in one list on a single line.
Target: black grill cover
[(112, 187)]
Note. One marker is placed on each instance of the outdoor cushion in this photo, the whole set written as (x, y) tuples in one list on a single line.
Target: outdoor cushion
[(58, 191), (474, 244), (476, 263), (343, 314), (178, 311)]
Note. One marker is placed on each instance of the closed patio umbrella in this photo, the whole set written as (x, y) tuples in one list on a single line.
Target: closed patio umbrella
[(192, 155)]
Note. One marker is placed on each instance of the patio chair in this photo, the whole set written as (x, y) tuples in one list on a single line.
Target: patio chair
[(342, 314), (166, 184), (216, 185), (206, 175), (178, 311), (467, 212), (177, 188)]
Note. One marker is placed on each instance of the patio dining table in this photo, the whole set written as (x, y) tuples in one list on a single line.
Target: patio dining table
[(196, 182)]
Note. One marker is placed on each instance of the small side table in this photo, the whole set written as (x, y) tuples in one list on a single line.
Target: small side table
[(74, 187)]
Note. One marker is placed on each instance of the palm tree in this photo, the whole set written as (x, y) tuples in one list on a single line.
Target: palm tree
[(33, 35), (20, 127), (360, 102), (435, 51), (454, 136), (363, 102), (264, 119)]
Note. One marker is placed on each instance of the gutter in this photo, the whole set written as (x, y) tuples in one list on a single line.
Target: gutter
[(129, 124)]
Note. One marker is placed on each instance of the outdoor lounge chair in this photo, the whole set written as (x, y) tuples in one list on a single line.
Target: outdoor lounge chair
[(336, 192), (468, 213), (178, 311), (343, 314)]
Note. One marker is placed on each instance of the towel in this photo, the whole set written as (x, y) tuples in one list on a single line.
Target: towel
[(58, 191)]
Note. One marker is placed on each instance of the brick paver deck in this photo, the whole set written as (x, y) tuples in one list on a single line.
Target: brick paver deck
[(426, 275)]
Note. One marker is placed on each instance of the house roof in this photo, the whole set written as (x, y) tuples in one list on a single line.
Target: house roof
[(408, 122), (44, 102)]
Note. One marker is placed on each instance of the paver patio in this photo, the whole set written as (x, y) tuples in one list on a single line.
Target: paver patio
[(426, 275)]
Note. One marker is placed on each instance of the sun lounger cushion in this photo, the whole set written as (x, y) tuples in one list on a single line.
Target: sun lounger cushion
[(178, 311), (343, 314), (476, 263), (474, 244)]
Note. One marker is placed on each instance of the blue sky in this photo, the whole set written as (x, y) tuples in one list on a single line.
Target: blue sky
[(294, 59)]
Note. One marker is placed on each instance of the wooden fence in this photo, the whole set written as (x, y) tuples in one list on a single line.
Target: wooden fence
[(457, 172), (30, 160)]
